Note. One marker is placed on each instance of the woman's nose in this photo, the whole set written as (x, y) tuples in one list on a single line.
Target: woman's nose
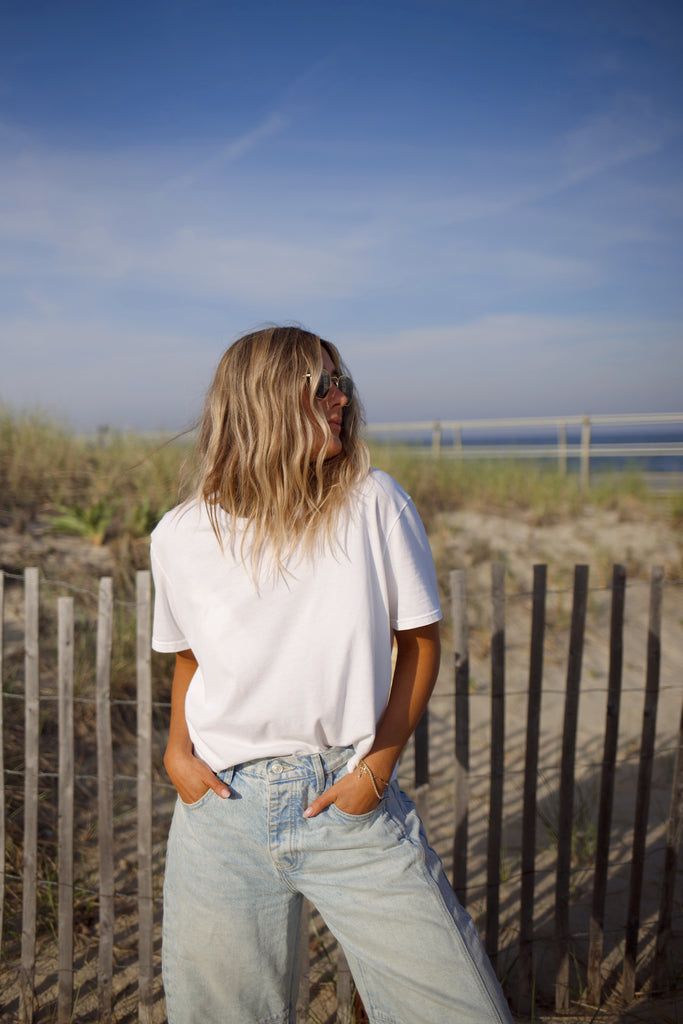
[(335, 396)]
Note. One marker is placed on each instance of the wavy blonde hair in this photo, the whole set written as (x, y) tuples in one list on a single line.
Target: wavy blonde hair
[(258, 446)]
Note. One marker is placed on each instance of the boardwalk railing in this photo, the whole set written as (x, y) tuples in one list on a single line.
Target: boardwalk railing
[(49, 912), (466, 439)]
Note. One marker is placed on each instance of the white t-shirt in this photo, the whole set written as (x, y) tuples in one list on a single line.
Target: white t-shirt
[(303, 661)]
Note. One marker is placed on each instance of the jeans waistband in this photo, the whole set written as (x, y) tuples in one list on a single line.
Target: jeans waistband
[(291, 767)]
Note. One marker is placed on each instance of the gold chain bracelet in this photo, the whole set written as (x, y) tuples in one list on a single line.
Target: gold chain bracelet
[(365, 769)]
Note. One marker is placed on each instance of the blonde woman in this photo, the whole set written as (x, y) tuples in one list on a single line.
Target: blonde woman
[(280, 589)]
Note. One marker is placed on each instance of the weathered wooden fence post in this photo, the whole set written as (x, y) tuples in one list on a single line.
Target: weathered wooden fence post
[(421, 770), (566, 805), (533, 722), (497, 759), (421, 743), (462, 732), (31, 727), (65, 928), (616, 658), (105, 798), (647, 746), (145, 891)]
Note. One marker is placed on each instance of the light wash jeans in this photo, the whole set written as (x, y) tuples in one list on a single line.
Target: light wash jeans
[(236, 871)]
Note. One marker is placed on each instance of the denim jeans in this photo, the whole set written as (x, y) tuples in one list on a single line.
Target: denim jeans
[(236, 871)]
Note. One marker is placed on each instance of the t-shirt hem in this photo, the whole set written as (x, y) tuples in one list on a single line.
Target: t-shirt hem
[(169, 646), (417, 620)]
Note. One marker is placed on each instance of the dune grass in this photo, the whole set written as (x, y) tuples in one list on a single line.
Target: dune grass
[(533, 489), (122, 484), (98, 488)]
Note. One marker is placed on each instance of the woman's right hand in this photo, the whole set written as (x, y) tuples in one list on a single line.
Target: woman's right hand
[(190, 776)]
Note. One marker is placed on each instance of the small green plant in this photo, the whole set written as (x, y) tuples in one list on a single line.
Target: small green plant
[(91, 521), (580, 984), (508, 864)]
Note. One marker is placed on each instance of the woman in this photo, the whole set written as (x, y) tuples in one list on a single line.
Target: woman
[(280, 589)]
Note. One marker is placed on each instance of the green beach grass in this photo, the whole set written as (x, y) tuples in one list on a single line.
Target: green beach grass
[(122, 484)]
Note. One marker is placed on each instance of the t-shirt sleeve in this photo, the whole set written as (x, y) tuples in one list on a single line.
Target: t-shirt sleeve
[(411, 577), (167, 635)]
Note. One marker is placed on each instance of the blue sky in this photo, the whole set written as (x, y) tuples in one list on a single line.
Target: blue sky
[(481, 203)]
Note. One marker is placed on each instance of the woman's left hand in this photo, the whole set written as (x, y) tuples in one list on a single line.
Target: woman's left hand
[(352, 794)]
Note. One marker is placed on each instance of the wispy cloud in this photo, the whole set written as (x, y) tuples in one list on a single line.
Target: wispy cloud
[(225, 155), (105, 218), (626, 130), (488, 183)]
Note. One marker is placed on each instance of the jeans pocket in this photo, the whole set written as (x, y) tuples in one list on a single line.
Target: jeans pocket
[(197, 803), (355, 819)]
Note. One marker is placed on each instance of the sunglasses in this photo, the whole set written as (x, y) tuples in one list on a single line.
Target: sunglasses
[(342, 382)]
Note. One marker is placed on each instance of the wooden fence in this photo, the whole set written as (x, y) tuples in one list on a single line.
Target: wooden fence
[(44, 973)]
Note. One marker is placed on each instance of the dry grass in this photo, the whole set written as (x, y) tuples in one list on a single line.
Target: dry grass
[(49, 472), (46, 469), (526, 488)]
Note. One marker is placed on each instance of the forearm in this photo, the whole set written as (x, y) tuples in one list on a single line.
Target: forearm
[(417, 667), (178, 734)]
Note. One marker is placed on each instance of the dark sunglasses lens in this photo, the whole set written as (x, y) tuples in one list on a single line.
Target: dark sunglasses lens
[(344, 383), (323, 384)]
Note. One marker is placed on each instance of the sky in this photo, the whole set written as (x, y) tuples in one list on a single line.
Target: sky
[(479, 202)]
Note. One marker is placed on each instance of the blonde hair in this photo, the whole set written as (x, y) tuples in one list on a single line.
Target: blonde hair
[(258, 446)]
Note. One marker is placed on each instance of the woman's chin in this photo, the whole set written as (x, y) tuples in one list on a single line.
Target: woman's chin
[(334, 448)]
